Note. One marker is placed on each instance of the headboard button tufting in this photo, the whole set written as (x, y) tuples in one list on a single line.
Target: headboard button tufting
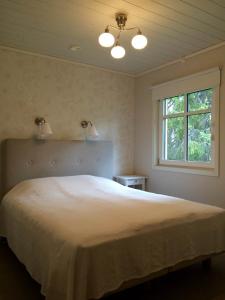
[(29, 163), (52, 163), (79, 161), (76, 163)]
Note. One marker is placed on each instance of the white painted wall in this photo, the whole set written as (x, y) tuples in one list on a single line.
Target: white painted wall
[(65, 94), (204, 189)]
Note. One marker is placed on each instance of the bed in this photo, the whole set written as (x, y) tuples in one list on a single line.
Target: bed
[(82, 236)]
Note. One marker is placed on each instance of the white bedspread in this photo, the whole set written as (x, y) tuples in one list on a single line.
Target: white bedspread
[(82, 236)]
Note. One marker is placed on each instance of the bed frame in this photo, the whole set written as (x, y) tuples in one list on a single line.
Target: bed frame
[(26, 159)]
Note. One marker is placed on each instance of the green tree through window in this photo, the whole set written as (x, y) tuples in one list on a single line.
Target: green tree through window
[(186, 130)]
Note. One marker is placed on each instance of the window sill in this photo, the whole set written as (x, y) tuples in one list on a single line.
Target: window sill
[(187, 170)]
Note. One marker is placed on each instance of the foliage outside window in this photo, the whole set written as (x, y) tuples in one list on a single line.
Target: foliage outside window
[(186, 123)]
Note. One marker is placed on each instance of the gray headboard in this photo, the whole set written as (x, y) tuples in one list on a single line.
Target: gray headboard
[(26, 159)]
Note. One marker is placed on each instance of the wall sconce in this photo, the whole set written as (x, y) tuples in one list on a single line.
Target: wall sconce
[(91, 131), (44, 129)]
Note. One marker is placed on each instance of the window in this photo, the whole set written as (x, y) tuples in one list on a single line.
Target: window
[(186, 125)]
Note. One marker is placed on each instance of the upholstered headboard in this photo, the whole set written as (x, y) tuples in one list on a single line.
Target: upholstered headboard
[(26, 159)]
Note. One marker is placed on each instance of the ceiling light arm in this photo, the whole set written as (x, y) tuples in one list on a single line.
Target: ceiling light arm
[(112, 26), (133, 28), (117, 42), (122, 29)]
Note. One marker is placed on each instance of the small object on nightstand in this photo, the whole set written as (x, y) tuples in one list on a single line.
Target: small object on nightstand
[(134, 181)]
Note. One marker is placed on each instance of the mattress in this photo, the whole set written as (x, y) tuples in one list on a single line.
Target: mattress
[(83, 236)]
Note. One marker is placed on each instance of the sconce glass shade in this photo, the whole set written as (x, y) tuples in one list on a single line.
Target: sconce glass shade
[(106, 39), (139, 41), (44, 131), (118, 52), (92, 131)]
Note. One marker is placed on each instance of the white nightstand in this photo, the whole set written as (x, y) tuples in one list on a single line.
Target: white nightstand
[(134, 181)]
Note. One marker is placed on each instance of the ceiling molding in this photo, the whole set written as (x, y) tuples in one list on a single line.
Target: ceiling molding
[(65, 61), (181, 60)]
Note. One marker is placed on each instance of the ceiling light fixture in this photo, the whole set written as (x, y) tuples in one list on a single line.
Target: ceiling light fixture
[(106, 39)]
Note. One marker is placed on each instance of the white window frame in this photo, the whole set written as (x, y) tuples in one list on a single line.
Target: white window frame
[(189, 84)]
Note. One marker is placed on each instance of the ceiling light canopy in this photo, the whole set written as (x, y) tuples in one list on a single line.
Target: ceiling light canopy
[(106, 39)]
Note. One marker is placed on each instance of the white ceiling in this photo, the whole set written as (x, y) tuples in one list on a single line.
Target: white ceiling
[(175, 28)]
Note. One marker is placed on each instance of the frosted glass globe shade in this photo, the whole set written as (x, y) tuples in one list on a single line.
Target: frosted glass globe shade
[(106, 39), (139, 41), (118, 52)]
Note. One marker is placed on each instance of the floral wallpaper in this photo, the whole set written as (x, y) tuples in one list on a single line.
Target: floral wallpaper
[(66, 93)]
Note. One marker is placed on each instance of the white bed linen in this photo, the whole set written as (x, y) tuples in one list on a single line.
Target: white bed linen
[(82, 236)]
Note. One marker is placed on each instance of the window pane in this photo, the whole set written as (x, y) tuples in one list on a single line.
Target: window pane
[(174, 105), (174, 138), (200, 100), (199, 137)]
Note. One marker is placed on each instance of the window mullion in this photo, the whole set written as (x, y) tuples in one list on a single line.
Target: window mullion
[(175, 115), (198, 112)]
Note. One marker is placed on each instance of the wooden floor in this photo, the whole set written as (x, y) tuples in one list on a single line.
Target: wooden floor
[(192, 283)]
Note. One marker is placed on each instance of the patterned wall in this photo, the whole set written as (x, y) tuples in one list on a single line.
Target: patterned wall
[(66, 93)]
